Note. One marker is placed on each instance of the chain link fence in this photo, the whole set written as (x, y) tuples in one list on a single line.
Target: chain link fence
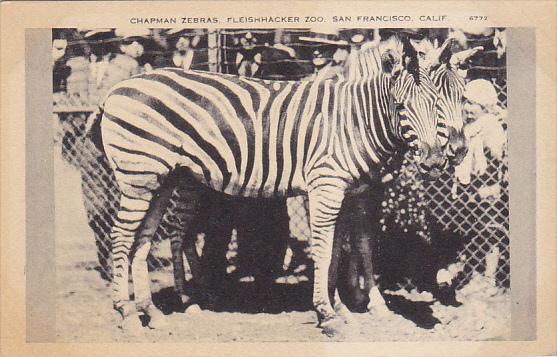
[(480, 219)]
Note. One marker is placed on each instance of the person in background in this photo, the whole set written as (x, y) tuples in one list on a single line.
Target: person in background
[(60, 70), (103, 48), (120, 64), (156, 52), (500, 42), (279, 60), (325, 68), (126, 63), (265, 55), (184, 43), (485, 130), (329, 54), (491, 63), (77, 84), (248, 58)]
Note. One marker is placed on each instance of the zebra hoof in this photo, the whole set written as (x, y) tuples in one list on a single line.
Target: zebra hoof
[(186, 299), (343, 312), (377, 305), (156, 318), (131, 325), (334, 327), (193, 310), (379, 310)]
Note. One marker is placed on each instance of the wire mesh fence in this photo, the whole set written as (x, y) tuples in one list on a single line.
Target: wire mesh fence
[(480, 218)]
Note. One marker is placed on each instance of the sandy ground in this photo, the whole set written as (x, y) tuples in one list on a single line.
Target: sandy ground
[(84, 307)]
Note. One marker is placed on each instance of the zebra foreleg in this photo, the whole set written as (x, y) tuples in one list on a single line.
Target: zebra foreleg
[(324, 206), (364, 211), (334, 295), (215, 220), (364, 232), (376, 304), (335, 270)]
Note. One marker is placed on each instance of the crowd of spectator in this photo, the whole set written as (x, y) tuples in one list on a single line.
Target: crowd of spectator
[(87, 62)]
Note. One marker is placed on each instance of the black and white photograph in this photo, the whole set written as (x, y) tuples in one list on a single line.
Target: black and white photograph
[(281, 185), (317, 178)]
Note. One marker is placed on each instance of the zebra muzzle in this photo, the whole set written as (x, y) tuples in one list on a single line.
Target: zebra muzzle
[(433, 166)]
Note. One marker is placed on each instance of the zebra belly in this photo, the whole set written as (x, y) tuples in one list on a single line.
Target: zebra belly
[(255, 189)]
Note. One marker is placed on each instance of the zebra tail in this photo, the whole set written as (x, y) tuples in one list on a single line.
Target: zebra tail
[(93, 127)]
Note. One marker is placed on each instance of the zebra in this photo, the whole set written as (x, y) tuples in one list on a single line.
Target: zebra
[(364, 63), (255, 138), (443, 67)]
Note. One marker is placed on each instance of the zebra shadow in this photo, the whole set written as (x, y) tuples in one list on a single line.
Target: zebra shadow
[(243, 298), (249, 298), (419, 312)]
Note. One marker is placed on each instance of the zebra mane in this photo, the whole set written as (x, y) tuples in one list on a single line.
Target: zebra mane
[(410, 60), (387, 57), (448, 74), (367, 62)]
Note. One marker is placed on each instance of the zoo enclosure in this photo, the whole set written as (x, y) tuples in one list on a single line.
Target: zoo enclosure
[(481, 220)]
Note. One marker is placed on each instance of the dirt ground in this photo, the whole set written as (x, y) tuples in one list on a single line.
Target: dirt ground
[(84, 308)]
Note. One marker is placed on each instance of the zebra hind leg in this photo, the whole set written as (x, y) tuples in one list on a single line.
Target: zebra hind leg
[(131, 214), (140, 273), (136, 222), (187, 202)]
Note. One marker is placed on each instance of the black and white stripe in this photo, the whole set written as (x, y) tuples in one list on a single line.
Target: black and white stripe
[(256, 138), (450, 85)]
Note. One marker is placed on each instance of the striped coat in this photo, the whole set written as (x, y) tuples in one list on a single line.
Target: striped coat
[(442, 66), (255, 138), (236, 140)]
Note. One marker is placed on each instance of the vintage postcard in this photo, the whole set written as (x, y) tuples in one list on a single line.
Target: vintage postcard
[(278, 177)]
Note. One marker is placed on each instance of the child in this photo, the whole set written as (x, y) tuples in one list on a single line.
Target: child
[(484, 128)]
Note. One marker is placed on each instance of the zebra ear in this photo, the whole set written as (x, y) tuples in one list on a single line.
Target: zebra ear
[(388, 63), (446, 53), (410, 59), (460, 58), (413, 67)]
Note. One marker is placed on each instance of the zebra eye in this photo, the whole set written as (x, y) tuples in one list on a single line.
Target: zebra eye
[(443, 141), (401, 109), (440, 112)]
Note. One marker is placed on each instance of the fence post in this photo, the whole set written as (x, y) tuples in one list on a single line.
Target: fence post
[(213, 50)]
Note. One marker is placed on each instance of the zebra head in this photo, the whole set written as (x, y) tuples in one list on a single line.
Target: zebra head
[(445, 74), (414, 111)]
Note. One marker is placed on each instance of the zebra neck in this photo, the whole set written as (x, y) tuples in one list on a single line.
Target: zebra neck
[(369, 117), (356, 147)]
